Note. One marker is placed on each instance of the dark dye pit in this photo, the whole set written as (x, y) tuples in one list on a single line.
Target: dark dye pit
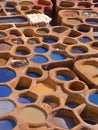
[(33, 74), (78, 50), (49, 40), (85, 40)]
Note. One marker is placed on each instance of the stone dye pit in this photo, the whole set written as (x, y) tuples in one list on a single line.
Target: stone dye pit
[(48, 69)]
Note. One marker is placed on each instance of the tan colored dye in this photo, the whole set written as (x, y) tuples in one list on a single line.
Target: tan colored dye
[(2, 61), (90, 69), (73, 22), (95, 80), (43, 88), (32, 115)]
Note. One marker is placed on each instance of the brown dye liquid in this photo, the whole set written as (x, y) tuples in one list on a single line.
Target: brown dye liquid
[(32, 115), (73, 22), (43, 88)]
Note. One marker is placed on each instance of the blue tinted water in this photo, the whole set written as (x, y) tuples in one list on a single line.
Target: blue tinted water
[(40, 50), (6, 75), (21, 52), (93, 98), (71, 104), (4, 91), (7, 124), (25, 100), (63, 77), (12, 19), (92, 22), (77, 50), (39, 59), (6, 106), (65, 122), (33, 74), (49, 40), (57, 56), (85, 39)]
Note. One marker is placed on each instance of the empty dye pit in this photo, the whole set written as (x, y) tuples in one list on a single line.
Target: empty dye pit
[(32, 115)]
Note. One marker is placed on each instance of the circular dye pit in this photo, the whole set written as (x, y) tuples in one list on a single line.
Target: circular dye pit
[(39, 59), (78, 50), (41, 50), (6, 74), (4, 47), (93, 98), (25, 99), (44, 88), (5, 91), (7, 124), (49, 40), (72, 22), (32, 115), (77, 86), (6, 106), (85, 40), (57, 56), (63, 77)]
